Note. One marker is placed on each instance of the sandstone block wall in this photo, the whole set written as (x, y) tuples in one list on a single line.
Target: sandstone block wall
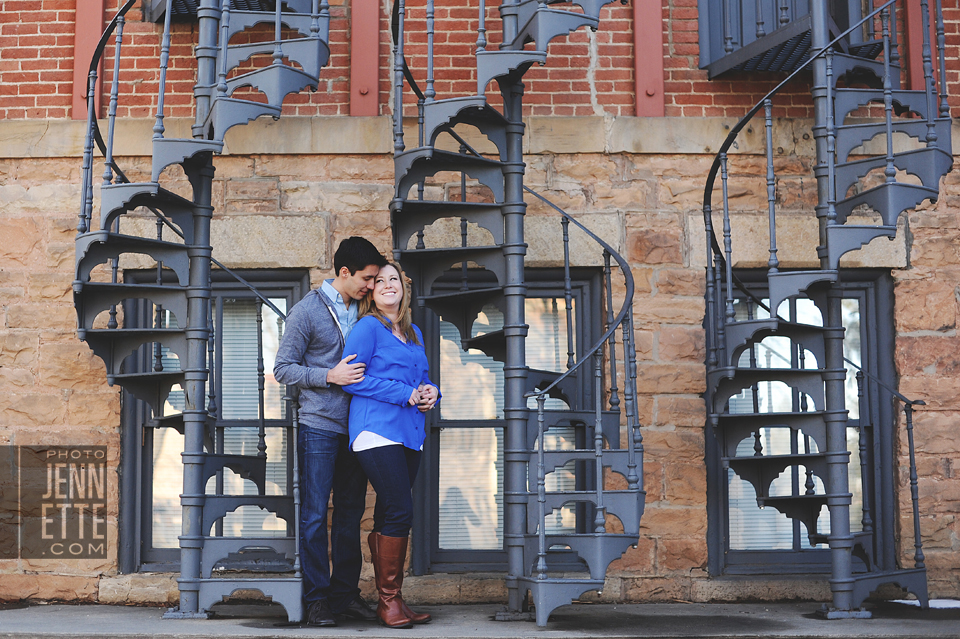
[(638, 185)]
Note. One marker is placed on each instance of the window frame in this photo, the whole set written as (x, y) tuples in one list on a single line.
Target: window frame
[(874, 288), (136, 552), (426, 556)]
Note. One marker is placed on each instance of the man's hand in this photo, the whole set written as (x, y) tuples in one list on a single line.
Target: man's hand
[(428, 397), (345, 373), (414, 397)]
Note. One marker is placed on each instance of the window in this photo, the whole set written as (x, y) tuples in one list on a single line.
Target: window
[(746, 539), (150, 508), (459, 491)]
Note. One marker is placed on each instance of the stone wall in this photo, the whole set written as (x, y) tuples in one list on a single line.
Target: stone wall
[(638, 182)]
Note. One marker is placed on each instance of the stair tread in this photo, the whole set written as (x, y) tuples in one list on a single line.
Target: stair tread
[(474, 292), (760, 458)]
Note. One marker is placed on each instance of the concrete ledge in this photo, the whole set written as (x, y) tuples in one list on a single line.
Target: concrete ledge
[(292, 135)]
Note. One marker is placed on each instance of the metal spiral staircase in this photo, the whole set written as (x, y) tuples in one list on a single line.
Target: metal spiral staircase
[(865, 82), (447, 281), (271, 38)]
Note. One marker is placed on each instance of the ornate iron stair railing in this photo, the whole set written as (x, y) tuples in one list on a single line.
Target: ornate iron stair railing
[(180, 299), (500, 213), (734, 330)]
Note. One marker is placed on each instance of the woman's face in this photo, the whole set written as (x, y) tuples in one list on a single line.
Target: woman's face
[(388, 289)]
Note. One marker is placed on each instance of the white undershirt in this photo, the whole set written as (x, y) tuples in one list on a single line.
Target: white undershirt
[(367, 440)]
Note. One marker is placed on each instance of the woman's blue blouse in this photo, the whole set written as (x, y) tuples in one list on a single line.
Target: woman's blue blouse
[(394, 369)]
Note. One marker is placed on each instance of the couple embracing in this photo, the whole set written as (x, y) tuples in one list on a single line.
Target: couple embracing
[(353, 339)]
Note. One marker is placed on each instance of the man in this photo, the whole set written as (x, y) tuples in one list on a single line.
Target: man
[(310, 357)]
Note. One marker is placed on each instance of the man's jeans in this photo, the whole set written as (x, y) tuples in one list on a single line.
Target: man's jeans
[(327, 463)]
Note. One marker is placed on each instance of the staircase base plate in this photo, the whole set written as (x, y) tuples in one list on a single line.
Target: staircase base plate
[(176, 613), (833, 613)]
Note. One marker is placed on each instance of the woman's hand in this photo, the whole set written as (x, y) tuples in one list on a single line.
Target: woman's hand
[(428, 397), (414, 397)]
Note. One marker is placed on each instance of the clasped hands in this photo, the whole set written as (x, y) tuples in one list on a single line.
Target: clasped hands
[(424, 397)]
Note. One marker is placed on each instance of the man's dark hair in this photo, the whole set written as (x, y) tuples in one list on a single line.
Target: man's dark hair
[(357, 253)]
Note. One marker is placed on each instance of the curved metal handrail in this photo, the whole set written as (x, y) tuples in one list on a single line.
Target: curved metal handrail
[(95, 63), (735, 131), (628, 295)]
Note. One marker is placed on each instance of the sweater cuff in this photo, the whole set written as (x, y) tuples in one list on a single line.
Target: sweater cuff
[(317, 377)]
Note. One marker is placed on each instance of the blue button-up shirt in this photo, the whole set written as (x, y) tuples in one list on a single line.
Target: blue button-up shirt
[(346, 312)]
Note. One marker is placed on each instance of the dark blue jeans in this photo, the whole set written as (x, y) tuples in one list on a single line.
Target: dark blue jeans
[(391, 470), (326, 463)]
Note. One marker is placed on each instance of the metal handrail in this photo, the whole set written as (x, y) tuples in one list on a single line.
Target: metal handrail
[(628, 295)]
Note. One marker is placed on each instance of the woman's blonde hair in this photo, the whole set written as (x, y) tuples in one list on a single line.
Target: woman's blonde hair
[(405, 318)]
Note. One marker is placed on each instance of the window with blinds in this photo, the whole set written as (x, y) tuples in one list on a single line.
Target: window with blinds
[(750, 527), (470, 492), (236, 393)]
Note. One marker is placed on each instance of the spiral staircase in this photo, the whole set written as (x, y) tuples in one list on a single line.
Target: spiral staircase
[(149, 362), (447, 281), (857, 97)]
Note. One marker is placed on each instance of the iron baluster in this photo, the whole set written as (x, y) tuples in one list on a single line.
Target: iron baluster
[(212, 408), (482, 27), (751, 312), (261, 403), (894, 45), (325, 20), (727, 28), (277, 46), (614, 394), (293, 406), (112, 111), (398, 83), (760, 30), (567, 289), (634, 437), (599, 520), (86, 189), (941, 54), (928, 81), (719, 314), (809, 485), (541, 493), (755, 388), (709, 296), (224, 42), (784, 16), (890, 172), (773, 262), (727, 239), (314, 19), (757, 444), (164, 62), (158, 318), (914, 494), (832, 139), (865, 520), (430, 93)]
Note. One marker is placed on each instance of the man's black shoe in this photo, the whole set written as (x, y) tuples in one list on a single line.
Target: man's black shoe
[(358, 609), (320, 615)]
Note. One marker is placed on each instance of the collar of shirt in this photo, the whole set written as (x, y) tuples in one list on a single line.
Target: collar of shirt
[(346, 313)]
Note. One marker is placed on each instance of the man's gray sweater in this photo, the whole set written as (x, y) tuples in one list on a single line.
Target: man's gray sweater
[(312, 344)]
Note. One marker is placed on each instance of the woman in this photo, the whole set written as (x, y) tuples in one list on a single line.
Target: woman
[(386, 428)]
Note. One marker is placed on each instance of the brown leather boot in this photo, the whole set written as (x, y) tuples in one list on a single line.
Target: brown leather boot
[(388, 570), (416, 617)]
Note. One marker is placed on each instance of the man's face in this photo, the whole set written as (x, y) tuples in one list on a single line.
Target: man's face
[(360, 283)]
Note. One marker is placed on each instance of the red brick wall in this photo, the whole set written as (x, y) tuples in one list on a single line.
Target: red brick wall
[(586, 74)]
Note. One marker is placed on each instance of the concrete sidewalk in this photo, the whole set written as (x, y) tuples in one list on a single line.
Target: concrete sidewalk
[(790, 620)]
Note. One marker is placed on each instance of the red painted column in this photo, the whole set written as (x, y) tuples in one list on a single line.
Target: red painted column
[(914, 44), (364, 57), (648, 57), (89, 28)]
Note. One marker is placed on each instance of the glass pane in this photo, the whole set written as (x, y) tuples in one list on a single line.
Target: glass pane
[(251, 521), (473, 382), (755, 528), (167, 486), (471, 489), (238, 382)]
